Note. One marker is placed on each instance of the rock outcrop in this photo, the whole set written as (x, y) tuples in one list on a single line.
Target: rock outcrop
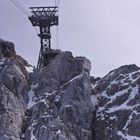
[(62, 108), (117, 101), (61, 101), (14, 86), (57, 106)]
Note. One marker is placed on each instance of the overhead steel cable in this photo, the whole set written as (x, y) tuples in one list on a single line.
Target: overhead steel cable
[(57, 2), (22, 7), (15, 2)]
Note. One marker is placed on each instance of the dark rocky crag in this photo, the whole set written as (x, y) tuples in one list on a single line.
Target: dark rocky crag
[(61, 101), (59, 105), (117, 97), (63, 109), (14, 86)]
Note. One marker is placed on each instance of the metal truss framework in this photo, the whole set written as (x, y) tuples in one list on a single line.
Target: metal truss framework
[(44, 18)]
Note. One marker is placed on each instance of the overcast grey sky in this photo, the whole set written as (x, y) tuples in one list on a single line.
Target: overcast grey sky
[(105, 31)]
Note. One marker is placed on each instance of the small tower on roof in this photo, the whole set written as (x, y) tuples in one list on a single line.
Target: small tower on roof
[(45, 18)]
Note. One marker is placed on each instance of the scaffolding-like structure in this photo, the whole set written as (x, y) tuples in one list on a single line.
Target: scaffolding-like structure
[(44, 18)]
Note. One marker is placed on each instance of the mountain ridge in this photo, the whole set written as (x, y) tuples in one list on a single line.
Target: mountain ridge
[(61, 101)]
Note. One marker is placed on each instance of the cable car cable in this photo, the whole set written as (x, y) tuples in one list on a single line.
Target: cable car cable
[(20, 7)]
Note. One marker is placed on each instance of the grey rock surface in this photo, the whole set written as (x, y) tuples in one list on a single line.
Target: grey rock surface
[(57, 105), (14, 85), (117, 100), (62, 108), (61, 101), (59, 71)]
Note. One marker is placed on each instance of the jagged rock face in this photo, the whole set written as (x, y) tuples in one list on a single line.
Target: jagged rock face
[(117, 101), (60, 70), (62, 108), (7, 49), (14, 85)]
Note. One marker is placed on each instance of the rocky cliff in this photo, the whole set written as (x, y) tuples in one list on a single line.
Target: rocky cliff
[(62, 108), (117, 103), (61, 101), (51, 103), (14, 87)]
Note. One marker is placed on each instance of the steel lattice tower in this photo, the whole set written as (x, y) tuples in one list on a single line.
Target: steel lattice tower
[(44, 18)]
